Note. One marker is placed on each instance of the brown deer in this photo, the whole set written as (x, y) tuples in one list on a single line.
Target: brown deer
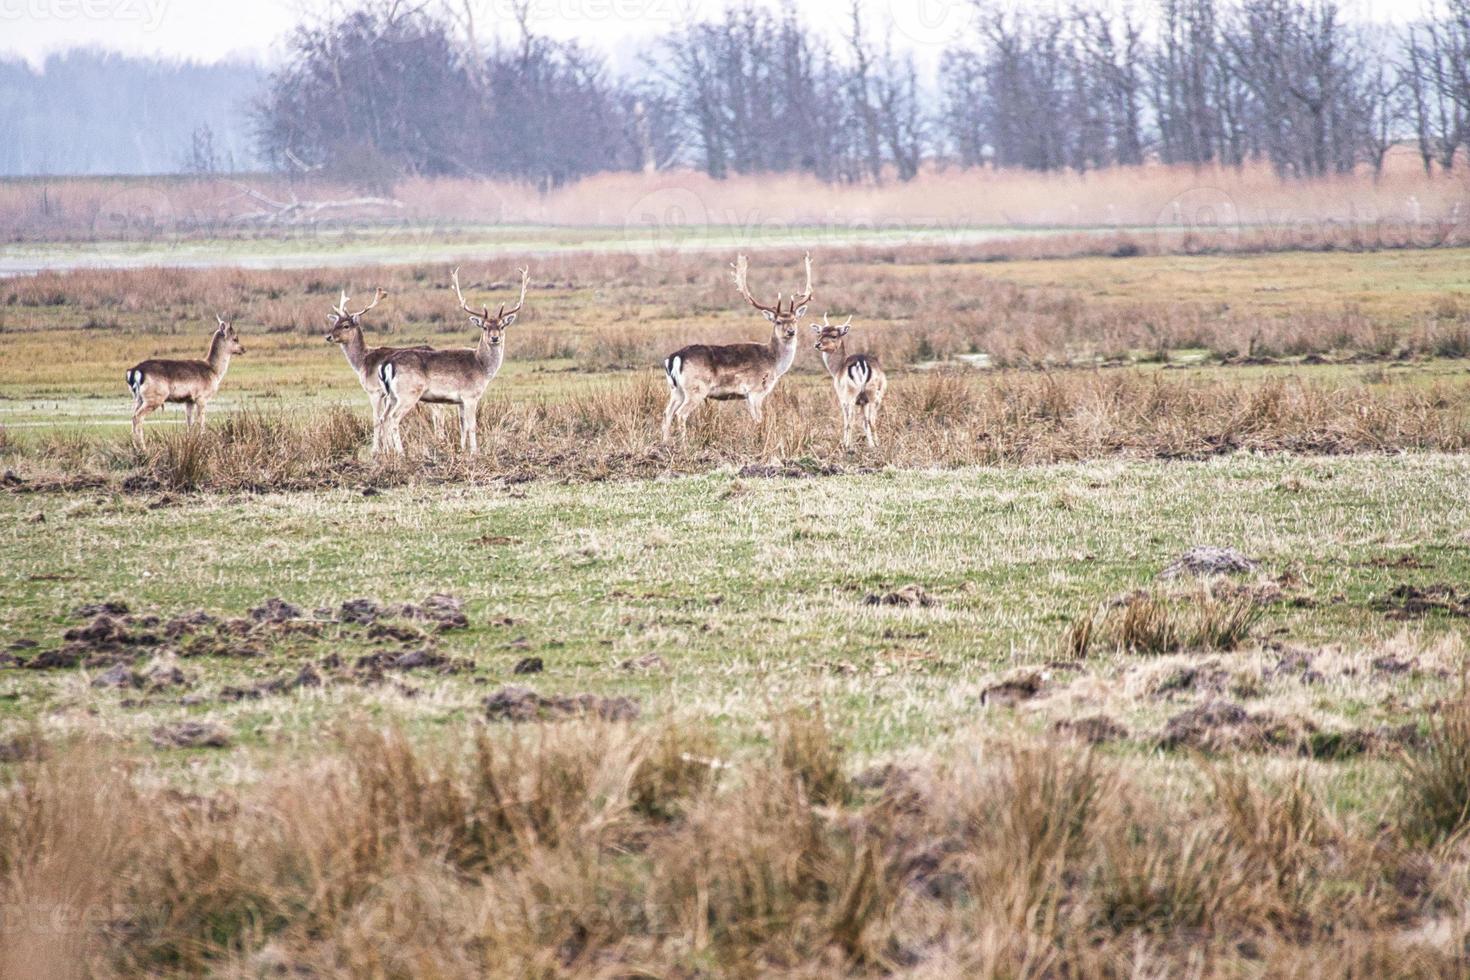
[(730, 372), (858, 378), (345, 328), (448, 377), (155, 382)]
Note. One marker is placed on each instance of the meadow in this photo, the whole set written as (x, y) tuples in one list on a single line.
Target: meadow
[(591, 705)]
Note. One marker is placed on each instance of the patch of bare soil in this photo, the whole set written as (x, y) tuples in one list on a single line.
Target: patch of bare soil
[(512, 703), (1203, 560), (1413, 601), (444, 611), (191, 735), (649, 661), (912, 595)]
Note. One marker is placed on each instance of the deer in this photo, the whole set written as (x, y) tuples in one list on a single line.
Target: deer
[(858, 378), (345, 329), (155, 382), (458, 376), (730, 372)]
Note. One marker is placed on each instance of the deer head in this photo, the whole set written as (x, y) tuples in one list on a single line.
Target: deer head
[(784, 318), (226, 332), (341, 323), (830, 335), (492, 327)]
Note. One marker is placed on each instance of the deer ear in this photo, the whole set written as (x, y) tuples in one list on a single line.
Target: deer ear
[(845, 328), (769, 315), (798, 311), (507, 321), (817, 329)]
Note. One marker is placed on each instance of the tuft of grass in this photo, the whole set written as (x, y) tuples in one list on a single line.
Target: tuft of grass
[(1435, 779), (1151, 624)]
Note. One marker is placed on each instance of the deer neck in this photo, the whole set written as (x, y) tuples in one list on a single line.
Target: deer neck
[(355, 349), (219, 356), (833, 362), (490, 355), (783, 352)]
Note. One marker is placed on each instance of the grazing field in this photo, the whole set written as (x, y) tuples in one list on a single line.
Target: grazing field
[(1137, 647)]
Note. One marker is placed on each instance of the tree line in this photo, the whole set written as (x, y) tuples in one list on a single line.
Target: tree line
[(387, 90)]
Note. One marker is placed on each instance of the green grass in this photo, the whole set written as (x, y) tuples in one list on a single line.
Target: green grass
[(752, 590)]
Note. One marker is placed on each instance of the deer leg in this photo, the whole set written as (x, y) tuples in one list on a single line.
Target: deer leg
[(753, 402), (469, 424), (376, 403), (870, 423), (686, 409), (199, 415), (139, 413), (676, 400)]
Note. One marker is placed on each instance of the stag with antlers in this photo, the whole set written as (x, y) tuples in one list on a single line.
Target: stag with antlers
[(345, 328), (448, 377), (735, 371)]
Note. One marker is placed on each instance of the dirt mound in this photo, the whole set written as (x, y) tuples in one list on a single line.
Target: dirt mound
[(306, 677), (649, 661), (1412, 601), (1012, 690), (444, 610), (191, 735), (776, 471), (909, 595), (275, 610), (98, 608), (1224, 726), (1094, 729), (528, 665), (523, 704), (1208, 560)]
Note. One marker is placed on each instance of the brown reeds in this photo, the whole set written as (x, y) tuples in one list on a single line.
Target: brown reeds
[(554, 850)]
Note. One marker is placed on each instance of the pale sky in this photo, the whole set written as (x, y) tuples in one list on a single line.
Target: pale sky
[(209, 30)]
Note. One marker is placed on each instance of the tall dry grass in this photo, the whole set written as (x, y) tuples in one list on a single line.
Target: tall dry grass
[(605, 312), (931, 419), (685, 203), (572, 849)]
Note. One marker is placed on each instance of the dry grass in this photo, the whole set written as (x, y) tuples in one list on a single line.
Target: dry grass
[(1152, 624), (913, 304), (1176, 197), (594, 849), (934, 419)]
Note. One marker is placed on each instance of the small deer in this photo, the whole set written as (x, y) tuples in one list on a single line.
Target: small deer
[(458, 376), (858, 378), (728, 372), (345, 328), (155, 382)]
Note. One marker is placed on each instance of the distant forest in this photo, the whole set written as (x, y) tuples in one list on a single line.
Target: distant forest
[(388, 89), (92, 112)]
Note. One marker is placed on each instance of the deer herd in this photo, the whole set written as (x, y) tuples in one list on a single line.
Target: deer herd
[(398, 378)]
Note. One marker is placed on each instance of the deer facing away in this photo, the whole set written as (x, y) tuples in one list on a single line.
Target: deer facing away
[(155, 382), (458, 376), (735, 371), (858, 378), (345, 328)]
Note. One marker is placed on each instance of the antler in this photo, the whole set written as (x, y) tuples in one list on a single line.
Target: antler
[(221, 320), (740, 267), (806, 295), (341, 308), (484, 313), (525, 281)]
